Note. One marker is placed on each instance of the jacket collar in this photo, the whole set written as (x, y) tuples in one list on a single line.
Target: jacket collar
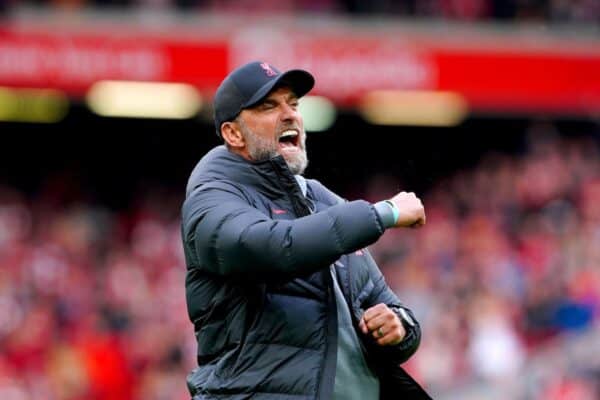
[(271, 177)]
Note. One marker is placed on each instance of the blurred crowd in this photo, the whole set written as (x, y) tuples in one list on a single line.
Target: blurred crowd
[(462, 10), (92, 300), (508, 264)]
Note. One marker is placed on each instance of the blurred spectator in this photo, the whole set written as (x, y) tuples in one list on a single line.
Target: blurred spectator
[(538, 11)]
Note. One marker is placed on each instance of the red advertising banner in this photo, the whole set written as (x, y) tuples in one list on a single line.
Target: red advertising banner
[(347, 65), (502, 80), (493, 76), (73, 62)]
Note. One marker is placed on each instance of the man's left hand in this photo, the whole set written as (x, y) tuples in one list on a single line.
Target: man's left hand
[(383, 324)]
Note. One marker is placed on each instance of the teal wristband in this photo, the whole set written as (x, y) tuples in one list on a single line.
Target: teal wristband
[(395, 211)]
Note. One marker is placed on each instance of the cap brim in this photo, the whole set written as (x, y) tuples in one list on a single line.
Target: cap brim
[(300, 81)]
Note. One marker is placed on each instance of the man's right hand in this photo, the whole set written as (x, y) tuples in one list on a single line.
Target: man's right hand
[(411, 210)]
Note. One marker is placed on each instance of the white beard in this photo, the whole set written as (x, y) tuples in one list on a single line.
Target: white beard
[(261, 149)]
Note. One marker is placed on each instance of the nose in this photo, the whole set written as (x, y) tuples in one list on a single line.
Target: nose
[(289, 113)]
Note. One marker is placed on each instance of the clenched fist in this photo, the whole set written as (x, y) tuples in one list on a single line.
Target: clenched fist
[(383, 324), (411, 213)]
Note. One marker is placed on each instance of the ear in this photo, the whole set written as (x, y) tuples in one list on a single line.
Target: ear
[(232, 135)]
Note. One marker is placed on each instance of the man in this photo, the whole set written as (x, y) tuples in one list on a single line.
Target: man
[(285, 301)]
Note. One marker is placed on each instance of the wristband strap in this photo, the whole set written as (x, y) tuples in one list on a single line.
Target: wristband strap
[(394, 210), (385, 213)]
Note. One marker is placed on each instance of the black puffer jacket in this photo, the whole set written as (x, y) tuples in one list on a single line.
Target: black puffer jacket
[(259, 289)]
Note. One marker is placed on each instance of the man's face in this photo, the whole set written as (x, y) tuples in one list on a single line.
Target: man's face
[(273, 127)]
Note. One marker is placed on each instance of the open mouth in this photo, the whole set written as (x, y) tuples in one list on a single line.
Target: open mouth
[(289, 140)]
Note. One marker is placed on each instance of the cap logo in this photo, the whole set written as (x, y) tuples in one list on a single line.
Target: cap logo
[(268, 70)]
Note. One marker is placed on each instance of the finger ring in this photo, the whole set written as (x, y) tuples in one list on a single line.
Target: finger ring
[(380, 332)]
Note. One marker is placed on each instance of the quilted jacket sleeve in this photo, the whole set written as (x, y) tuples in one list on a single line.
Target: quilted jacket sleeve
[(226, 236)]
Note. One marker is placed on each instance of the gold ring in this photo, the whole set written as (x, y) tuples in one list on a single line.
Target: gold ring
[(380, 332)]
